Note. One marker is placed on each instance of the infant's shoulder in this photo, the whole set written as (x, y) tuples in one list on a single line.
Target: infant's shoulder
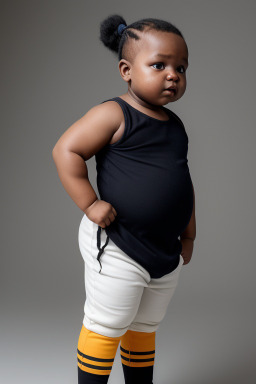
[(175, 116), (110, 109), (108, 117)]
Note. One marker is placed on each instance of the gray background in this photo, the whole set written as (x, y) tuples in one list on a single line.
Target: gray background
[(53, 70)]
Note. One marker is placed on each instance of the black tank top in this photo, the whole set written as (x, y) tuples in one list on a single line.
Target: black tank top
[(145, 176)]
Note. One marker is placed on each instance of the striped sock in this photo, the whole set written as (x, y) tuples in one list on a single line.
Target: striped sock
[(137, 351), (95, 356)]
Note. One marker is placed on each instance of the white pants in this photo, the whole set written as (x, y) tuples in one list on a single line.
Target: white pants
[(122, 296)]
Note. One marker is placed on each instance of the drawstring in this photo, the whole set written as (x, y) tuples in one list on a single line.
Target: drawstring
[(101, 249)]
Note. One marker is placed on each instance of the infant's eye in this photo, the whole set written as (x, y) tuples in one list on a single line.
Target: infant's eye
[(184, 69), (158, 64)]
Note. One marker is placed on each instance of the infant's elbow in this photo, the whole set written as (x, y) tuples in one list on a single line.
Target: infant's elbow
[(56, 152)]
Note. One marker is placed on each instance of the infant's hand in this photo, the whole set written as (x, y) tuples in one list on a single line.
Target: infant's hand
[(101, 212), (187, 249)]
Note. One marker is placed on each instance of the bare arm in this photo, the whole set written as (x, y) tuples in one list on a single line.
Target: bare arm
[(79, 143), (188, 236), (190, 231), (73, 174)]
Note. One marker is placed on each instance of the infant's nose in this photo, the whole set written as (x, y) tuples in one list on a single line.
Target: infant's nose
[(172, 75)]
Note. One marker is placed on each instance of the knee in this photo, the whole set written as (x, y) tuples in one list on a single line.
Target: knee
[(148, 327), (120, 322)]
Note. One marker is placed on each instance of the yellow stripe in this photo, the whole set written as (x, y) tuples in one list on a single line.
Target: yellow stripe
[(90, 367), (94, 371), (133, 364), (138, 361)]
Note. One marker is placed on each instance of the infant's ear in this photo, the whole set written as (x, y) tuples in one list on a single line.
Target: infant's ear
[(124, 69)]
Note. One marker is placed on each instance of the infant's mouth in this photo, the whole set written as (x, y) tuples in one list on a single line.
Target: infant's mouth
[(171, 91)]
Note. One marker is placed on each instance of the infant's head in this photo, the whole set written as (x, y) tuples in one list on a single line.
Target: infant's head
[(153, 56)]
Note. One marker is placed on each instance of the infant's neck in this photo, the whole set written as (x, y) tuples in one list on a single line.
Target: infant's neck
[(149, 109)]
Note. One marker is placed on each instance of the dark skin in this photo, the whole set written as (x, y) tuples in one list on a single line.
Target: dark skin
[(148, 75), (147, 78)]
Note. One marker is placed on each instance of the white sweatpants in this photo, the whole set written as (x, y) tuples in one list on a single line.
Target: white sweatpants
[(122, 296)]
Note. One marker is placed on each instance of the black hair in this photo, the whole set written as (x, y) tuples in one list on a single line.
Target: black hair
[(109, 31)]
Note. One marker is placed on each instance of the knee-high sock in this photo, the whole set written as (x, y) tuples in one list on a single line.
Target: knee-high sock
[(137, 350), (95, 356)]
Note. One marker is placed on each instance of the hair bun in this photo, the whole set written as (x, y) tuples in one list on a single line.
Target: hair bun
[(111, 29)]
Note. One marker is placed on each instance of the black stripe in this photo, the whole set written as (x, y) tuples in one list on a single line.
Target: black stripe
[(137, 360), (101, 249), (136, 353), (94, 366), (95, 358)]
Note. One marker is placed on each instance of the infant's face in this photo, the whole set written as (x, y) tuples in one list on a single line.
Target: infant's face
[(151, 75)]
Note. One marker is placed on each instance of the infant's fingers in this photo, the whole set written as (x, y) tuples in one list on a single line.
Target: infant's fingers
[(114, 211), (110, 219)]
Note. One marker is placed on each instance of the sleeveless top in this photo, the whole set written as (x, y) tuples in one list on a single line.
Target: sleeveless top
[(145, 176)]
